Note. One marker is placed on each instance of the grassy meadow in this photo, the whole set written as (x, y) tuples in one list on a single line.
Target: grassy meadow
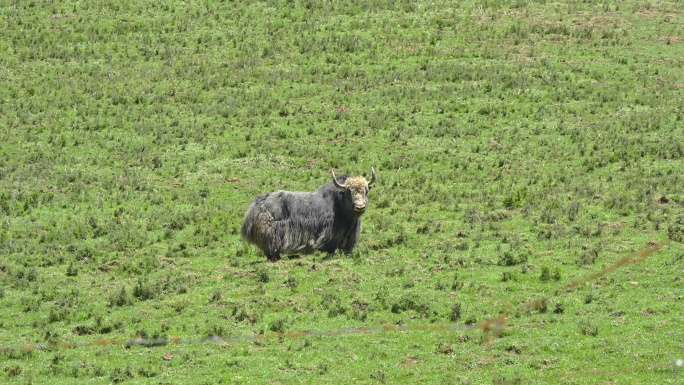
[(522, 149)]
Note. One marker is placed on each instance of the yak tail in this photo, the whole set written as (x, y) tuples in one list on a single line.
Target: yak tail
[(257, 227)]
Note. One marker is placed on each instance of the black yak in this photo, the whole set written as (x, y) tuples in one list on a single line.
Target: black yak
[(284, 222)]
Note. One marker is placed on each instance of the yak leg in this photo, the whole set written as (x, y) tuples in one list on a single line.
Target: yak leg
[(349, 240), (273, 257), (329, 247), (348, 251), (329, 250), (348, 246)]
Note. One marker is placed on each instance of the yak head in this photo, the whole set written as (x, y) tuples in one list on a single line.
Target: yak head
[(356, 190)]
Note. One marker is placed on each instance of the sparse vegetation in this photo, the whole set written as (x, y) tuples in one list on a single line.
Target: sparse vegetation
[(519, 146)]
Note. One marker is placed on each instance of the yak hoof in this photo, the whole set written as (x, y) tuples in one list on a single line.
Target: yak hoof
[(273, 257)]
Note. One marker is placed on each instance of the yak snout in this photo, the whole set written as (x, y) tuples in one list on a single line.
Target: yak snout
[(359, 201)]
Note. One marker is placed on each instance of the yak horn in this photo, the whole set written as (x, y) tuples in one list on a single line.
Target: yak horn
[(337, 184), (372, 177)]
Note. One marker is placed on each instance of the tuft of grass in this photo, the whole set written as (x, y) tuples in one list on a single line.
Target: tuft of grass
[(588, 328), (455, 313), (262, 275), (120, 298), (545, 274)]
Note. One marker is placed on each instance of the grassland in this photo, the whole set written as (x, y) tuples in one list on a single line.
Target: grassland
[(520, 146)]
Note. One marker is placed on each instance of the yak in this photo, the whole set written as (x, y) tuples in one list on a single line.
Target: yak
[(327, 219)]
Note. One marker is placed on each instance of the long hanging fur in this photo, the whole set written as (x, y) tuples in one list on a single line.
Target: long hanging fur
[(285, 222)]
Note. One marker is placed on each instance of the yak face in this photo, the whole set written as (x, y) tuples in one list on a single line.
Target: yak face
[(356, 191)]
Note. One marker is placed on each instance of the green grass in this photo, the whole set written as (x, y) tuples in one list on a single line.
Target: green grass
[(520, 146)]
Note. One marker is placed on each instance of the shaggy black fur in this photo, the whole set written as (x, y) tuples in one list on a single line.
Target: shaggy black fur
[(285, 222)]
